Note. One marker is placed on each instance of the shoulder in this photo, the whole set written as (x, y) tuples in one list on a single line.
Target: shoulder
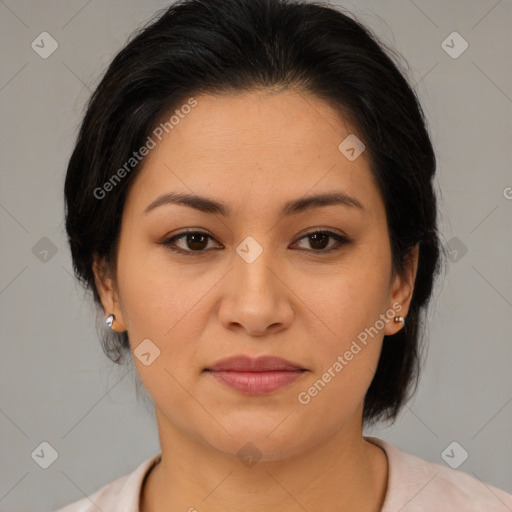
[(120, 495), (415, 484)]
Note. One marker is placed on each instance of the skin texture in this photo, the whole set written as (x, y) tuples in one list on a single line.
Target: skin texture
[(255, 151)]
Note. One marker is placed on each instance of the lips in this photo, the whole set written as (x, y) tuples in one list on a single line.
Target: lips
[(258, 376), (259, 364)]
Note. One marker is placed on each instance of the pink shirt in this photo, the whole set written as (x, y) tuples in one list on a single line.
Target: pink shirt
[(414, 485)]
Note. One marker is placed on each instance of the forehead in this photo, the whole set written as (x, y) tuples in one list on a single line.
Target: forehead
[(250, 121), (277, 145)]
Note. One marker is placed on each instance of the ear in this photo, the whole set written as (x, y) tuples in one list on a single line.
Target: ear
[(107, 291), (402, 290)]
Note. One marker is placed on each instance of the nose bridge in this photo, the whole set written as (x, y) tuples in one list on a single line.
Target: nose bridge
[(255, 299), (253, 264)]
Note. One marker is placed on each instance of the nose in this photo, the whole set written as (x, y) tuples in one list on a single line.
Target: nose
[(256, 297)]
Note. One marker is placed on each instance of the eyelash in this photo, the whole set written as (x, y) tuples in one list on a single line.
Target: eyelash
[(170, 243)]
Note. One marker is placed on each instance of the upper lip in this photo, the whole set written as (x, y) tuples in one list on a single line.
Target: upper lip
[(258, 364)]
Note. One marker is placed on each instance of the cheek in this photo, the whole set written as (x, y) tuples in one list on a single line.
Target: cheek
[(155, 294), (168, 305), (349, 303), (346, 358), (352, 311)]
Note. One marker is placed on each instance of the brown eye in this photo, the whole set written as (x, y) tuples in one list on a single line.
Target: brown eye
[(319, 241), (192, 242), (195, 243)]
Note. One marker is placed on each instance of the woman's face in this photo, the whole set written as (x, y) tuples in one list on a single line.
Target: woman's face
[(255, 284)]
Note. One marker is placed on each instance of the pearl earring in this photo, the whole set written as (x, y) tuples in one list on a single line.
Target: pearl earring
[(110, 320)]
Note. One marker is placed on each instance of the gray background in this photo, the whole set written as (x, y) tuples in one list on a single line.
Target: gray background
[(57, 386)]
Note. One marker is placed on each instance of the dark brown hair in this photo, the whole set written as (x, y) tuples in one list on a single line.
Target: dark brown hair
[(223, 46)]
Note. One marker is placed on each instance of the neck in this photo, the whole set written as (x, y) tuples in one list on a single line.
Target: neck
[(345, 472)]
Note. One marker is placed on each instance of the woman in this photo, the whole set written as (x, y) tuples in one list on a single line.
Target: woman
[(250, 201)]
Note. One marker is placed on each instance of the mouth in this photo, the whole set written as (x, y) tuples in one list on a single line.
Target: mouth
[(258, 376)]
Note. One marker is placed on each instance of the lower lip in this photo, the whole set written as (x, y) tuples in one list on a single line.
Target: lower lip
[(256, 383)]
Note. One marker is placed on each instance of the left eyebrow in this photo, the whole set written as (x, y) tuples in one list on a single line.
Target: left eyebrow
[(206, 205)]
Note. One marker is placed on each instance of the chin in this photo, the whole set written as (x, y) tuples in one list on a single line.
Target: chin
[(252, 445)]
